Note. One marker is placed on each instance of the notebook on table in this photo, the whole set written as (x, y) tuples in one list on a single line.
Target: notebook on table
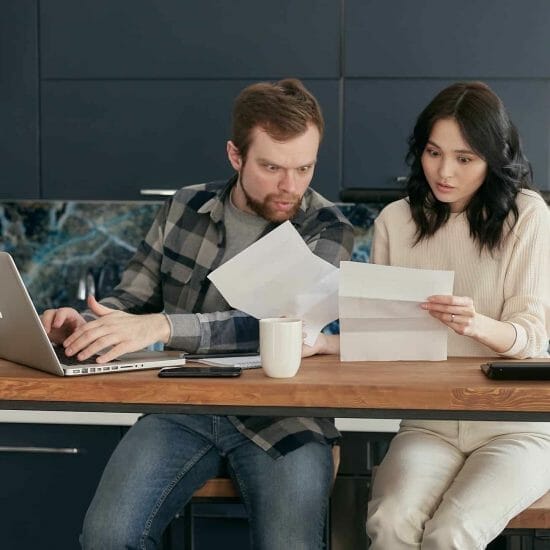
[(23, 339)]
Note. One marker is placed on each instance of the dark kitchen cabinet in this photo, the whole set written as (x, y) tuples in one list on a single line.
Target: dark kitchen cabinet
[(19, 178), (48, 475), (196, 39), (381, 113), (110, 139), (443, 39), (101, 100)]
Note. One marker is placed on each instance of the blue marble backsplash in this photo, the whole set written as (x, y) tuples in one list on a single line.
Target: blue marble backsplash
[(59, 247), (66, 249)]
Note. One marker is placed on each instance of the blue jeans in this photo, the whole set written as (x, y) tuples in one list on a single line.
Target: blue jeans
[(163, 459)]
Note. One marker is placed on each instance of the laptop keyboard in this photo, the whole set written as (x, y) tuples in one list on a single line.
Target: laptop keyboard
[(70, 361)]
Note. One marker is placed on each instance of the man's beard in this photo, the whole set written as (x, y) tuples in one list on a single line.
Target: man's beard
[(264, 208)]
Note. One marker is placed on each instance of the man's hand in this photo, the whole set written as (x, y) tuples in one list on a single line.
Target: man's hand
[(119, 331), (61, 323), (325, 343)]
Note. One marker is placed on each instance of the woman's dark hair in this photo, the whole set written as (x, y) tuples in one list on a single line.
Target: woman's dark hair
[(486, 127)]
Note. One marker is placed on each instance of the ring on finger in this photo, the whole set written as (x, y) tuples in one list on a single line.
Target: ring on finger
[(452, 317)]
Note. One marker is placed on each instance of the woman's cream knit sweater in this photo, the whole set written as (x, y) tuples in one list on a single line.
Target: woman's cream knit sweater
[(512, 284)]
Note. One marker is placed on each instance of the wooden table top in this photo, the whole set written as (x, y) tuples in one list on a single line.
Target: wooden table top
[(324, 386)]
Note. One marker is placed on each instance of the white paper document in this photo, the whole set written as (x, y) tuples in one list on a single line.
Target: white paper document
[(279, 275), (380, 314)]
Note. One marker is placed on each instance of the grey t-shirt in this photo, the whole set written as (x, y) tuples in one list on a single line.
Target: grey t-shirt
[(241, 230)]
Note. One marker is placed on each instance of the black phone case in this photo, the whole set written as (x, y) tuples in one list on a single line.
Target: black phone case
[(200, 372), (517, 371)]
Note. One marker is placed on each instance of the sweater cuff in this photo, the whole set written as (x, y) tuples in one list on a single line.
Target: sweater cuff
[(185, 332), (519, 343)]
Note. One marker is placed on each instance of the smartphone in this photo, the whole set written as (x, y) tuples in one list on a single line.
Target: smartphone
[(517, 370), (202, 371)]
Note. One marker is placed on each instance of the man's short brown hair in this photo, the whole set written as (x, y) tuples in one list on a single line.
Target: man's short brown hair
[(283, 109)]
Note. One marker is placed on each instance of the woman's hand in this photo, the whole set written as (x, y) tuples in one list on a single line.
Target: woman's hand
[(325, 343), (457, 312)]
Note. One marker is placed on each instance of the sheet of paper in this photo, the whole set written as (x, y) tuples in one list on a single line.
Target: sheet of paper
[(380, 314), (278, 275)]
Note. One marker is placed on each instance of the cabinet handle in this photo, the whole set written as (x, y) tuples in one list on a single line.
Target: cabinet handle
[(161, 192), (50, 450), (401, 179)]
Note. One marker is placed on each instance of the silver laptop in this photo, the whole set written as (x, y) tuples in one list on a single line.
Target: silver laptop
[(23, 338)]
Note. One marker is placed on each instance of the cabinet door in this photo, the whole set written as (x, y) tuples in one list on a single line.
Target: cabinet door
[(112, 139), (445, 38), (137, 95), (360, 452), (140, 39), (18, 100), (48, 475), (380, 115)]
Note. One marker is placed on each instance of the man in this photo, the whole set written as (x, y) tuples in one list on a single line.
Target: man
[(282, 466)]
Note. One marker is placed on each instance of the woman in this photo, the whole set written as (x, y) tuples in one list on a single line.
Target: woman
[(456, 484)]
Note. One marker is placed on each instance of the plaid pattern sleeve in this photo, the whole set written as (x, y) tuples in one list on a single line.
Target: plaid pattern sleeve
[(168, 273)]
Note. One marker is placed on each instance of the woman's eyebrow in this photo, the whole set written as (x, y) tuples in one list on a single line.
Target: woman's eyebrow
[(467, 151)]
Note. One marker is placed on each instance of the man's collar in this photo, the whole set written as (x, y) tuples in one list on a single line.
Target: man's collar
[(215, 205), (299, 217)]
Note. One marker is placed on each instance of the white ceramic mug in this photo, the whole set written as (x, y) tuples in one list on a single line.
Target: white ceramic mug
[(281, 346)]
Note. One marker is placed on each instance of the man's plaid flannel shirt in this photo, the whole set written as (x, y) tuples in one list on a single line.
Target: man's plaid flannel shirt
[(169, 273)]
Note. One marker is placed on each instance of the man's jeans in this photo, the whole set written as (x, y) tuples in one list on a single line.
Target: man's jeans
[(163, 459)]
